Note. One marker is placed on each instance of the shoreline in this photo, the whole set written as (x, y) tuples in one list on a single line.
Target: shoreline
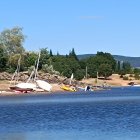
[(114, 81)]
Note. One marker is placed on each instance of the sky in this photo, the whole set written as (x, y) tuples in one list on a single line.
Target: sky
[(87, 26)]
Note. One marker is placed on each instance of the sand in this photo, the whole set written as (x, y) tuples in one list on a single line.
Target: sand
[(113, 80)]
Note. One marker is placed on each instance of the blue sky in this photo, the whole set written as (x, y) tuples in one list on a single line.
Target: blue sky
[(87, 25)]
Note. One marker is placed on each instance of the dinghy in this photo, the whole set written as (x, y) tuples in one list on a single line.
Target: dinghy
[(44, 85), (23, 87), (26, 85), (67, 88)]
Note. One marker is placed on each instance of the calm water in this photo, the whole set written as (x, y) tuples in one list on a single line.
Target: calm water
[(104, 115)]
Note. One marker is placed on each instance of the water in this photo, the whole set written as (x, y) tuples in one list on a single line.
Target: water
[(113, 114)]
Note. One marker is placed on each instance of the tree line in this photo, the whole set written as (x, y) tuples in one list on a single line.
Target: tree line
[(11, 49)]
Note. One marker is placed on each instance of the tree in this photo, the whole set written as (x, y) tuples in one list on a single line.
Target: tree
[(44, 57), (92, 65), (136, 71), (126, 67), (65, 65), (30, 59), (105, 70), (13, 61), (83, 63), (118, 66), (12, 40), (51, 54), (79, 74), (3, 59), (73, 54), (101, 61), (108, 59)]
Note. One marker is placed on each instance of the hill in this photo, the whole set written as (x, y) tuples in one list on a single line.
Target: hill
[(134, 61)]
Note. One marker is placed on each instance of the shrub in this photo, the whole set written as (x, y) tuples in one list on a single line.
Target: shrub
[(137, 76), (125, 78)]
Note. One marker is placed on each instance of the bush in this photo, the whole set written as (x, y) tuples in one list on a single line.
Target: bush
[(49, 69), (131, 75), (79, 74), (137, 76), (30, 69), (125, 78), (10, 70)]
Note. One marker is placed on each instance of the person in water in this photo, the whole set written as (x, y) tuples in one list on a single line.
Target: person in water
[(87, 88)]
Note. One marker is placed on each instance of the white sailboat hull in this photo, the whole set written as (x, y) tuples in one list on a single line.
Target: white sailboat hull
[(44, 85), (26, 85)]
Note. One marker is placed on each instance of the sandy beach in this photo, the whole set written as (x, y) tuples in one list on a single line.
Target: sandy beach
[(5, 91), (113, 80)]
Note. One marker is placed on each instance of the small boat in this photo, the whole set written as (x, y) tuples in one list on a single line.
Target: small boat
[(26, 85), (23, 87), (67, 88), (25, 90), (44, 85)]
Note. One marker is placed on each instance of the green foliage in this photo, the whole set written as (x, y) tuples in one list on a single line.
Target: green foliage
[(44, 57), (137, 76), (79, 74), (12, 40), (11, 48), (104, 63), (105, 70), (30, 69), (107, 58), (136, 71), (67, 71), (92, 66), (72, 54), (126, 67), (3, 60), (51, 54), (83, 63), (49, 69), (118, 66), (14, 60), (10, 70), (65, 65), (30, 59)]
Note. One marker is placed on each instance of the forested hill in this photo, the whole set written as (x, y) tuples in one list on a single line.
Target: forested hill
[(134, 61)]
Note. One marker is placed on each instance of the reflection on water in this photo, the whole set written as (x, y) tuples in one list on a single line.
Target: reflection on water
[(113, 114)]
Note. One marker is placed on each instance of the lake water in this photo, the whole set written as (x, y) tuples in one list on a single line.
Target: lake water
[(102, 115)]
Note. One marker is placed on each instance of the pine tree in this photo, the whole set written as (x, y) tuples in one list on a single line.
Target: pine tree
[(51, 54), (73, 54)]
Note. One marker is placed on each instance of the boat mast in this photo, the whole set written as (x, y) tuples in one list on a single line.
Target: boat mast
[(37, 66), (18, 68), (71, 78)]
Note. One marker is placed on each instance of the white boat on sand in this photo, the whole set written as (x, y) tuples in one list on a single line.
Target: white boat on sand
[(44, 85), (26, 85)]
